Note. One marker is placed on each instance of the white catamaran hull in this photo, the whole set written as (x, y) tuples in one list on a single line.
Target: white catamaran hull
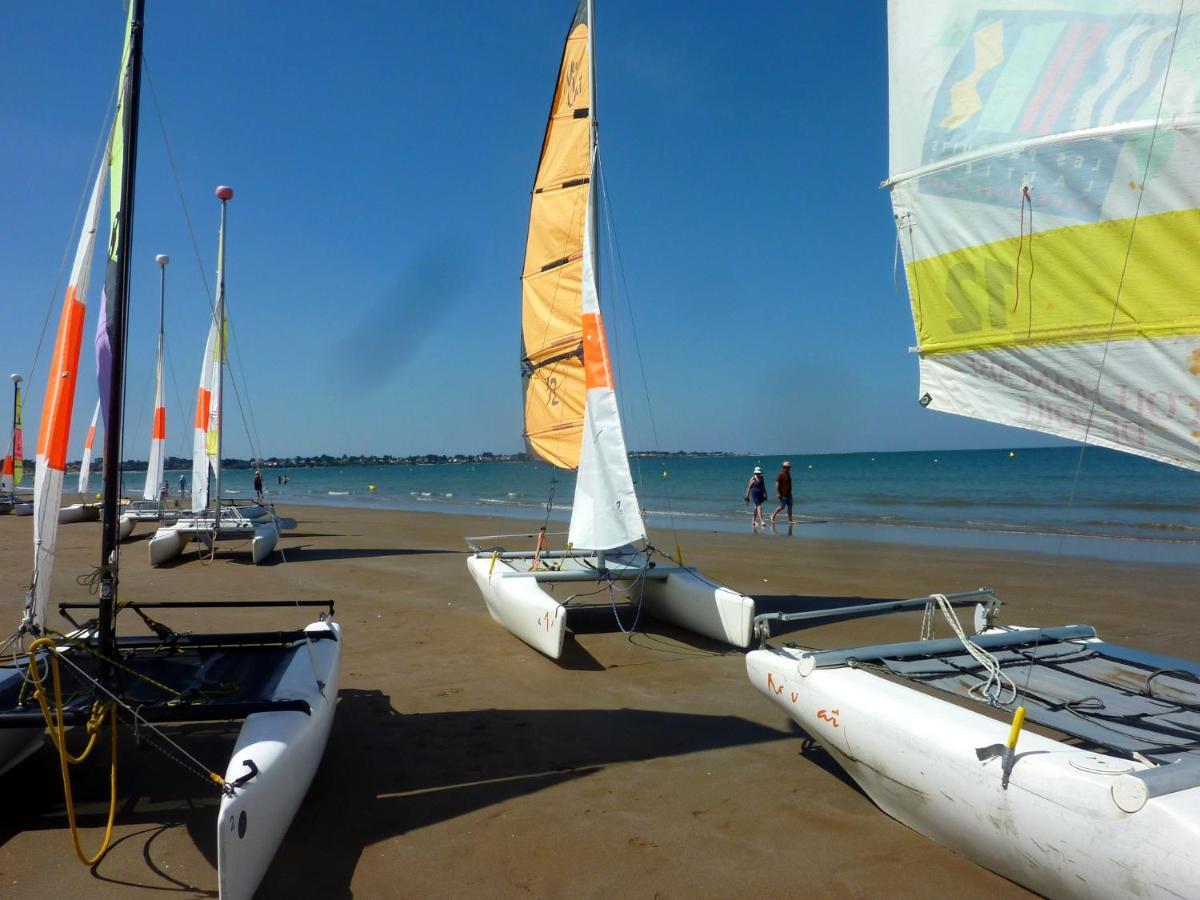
[(17, 743), (286, 748), (79, 512), (1056, 829), (516, 601), (263, 535), (521, 603)]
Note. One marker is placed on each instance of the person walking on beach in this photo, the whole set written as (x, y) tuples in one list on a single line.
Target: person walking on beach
[(258, 485), (783, 490), (182, 485), (756, 493)]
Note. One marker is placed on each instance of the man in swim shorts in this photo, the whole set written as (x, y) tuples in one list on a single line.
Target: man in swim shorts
[(783, 490)]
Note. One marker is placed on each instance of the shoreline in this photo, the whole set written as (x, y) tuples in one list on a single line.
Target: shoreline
[(1158, 550), (463, 763)]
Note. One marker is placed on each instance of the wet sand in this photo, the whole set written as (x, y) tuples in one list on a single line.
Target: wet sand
[(463, 763)]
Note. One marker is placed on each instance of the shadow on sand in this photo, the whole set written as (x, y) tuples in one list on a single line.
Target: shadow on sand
[(383, 774), (310, 554)]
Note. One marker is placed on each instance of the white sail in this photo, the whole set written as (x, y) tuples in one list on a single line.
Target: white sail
[(1045, 162), (605, 513), (208, 418), (158, 433), (55, 429), (85, 465)]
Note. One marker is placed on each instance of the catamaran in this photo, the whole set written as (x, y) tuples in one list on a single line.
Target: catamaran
[(1086, 327), (13, 471), (571, 415), (226, 520), (151, 507), (283, 684)]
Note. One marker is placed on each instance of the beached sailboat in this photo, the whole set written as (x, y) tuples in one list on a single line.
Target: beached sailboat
[(13, 471), (1086, 327), (283, 684), (571, 416), (150, 508), (225, 520)]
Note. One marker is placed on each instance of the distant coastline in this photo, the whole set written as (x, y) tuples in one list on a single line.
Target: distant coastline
[(327, 461)]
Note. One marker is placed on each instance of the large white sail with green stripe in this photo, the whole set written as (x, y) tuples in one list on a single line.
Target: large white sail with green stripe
[(1045, 177)]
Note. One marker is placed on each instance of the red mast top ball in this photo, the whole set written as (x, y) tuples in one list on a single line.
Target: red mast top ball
[(224, 192)]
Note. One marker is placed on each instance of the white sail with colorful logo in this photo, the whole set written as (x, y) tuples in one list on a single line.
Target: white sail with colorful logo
[(85, 464), (205, 450), (1046, 187), (1045, 160)]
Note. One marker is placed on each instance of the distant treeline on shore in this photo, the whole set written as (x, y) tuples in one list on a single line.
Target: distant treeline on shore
[(327, 461)]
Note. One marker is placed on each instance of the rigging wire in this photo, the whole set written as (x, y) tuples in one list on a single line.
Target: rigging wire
[(619, 266), (93, 168), (233, 381), (1095, 398)]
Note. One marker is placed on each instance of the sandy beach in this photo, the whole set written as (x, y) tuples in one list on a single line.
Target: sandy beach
[(462, 763)]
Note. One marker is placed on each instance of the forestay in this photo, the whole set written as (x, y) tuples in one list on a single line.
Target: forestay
[(1045, 161), (571, 417)]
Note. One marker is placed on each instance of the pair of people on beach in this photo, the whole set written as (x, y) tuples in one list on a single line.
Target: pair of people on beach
[(756, 493)]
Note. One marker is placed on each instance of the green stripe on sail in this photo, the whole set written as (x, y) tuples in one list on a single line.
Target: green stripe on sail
[(967, 299)]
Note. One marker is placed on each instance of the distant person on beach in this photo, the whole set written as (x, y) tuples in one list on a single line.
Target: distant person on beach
[(258, 484), (783, 490), (756, 493), (182, 485)]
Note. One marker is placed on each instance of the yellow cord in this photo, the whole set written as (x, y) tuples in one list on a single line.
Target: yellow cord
[(58, 734), (1015, 731)]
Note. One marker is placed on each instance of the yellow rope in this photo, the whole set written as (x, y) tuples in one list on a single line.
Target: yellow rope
[(58, 733)]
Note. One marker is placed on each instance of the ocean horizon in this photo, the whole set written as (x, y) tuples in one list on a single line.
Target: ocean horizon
[(1119, 506)]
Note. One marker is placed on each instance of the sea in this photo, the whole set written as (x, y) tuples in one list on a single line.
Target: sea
[(1054, 500)]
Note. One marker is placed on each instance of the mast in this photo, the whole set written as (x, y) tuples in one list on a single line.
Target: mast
[(119, 274), (224, 194), (16, 380), (594, 131)]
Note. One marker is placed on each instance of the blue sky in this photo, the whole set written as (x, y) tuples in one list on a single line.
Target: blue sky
[(382, 155)]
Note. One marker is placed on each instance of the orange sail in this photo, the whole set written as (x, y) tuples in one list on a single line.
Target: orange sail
[(551, 283)]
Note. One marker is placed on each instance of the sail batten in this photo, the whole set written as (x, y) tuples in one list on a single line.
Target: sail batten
[(1047, 198)]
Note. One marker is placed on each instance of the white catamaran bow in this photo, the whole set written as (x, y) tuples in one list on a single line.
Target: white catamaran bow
[(1086, 326), (571, 415)]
